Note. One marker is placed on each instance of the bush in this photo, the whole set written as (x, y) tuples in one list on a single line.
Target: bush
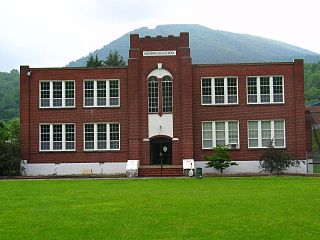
[(10, 164), (220, 159), (275, 160)]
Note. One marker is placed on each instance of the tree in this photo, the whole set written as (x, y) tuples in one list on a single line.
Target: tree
[(94, 61), (114, 59), (9, 148), (220, 159), (275, 160)]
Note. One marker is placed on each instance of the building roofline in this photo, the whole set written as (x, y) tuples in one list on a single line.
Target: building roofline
[(76, 68), (243, 64)]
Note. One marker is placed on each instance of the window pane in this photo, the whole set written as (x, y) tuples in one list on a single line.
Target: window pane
[(207, 126), (57, 137), (101, 93), (277, 89), (219, 90), (102, 136), (207, 143), (114, 136), (233, 132), (153, 94), (89, 136), (220, 133), (69, 93), (252, 89), (45, 137), (207, 135), (253, 143), (89, 93), (70, 139), (166, 94), (253, 133), (57, 94), (232, 90), (206, 91), (114, 92), (265, 89), (45, 94)]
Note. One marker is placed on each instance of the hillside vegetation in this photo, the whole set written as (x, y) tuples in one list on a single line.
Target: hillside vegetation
[(9, 95)]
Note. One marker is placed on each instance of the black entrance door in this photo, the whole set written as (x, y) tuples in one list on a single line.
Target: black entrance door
[(161, 147)]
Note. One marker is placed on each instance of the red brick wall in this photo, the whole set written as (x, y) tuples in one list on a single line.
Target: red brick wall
[(292, 111), (78, 115)]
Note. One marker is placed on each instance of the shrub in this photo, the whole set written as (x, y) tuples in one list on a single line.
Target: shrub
[(275, 160), (220, 159), (10, 163)]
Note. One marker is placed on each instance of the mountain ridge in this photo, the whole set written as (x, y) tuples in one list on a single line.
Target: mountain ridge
[(213, 46)]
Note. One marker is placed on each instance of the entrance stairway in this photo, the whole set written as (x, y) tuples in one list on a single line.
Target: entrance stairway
[(155, 171)]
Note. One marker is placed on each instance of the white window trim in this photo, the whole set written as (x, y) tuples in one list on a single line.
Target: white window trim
[(95, 95), (95, 141), (214, 133), (272, 133), (271, 89), (63, 138), (63, 94), (225, 91), (162, 95)]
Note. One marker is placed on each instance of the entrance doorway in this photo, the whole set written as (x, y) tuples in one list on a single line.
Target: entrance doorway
[(161, 149)]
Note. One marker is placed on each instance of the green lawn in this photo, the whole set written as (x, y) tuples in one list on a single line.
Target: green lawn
[(209, 208)]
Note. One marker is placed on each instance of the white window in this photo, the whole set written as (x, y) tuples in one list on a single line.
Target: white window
[(101, 93), (153, 95), (154, 85), (166, 94), (57, 137), (57, 94), (220, 133), (101, 136), (265, 89), (262, 133), (219, 90)]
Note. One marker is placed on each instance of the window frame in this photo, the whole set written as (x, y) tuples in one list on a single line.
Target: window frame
[(95, 137), (64, 141), (271, 89), (150, 81), (162, 94), (225, 90), (272, 133), (63, 88), (95, 93), (226, 134)]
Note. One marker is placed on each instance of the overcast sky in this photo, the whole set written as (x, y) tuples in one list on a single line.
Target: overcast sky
[(51, 33)]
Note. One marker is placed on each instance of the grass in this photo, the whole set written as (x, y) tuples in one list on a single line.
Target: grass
[(210, 208)]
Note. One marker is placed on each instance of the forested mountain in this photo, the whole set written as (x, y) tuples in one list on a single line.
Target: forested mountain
[(213, 46), (9, 95)]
